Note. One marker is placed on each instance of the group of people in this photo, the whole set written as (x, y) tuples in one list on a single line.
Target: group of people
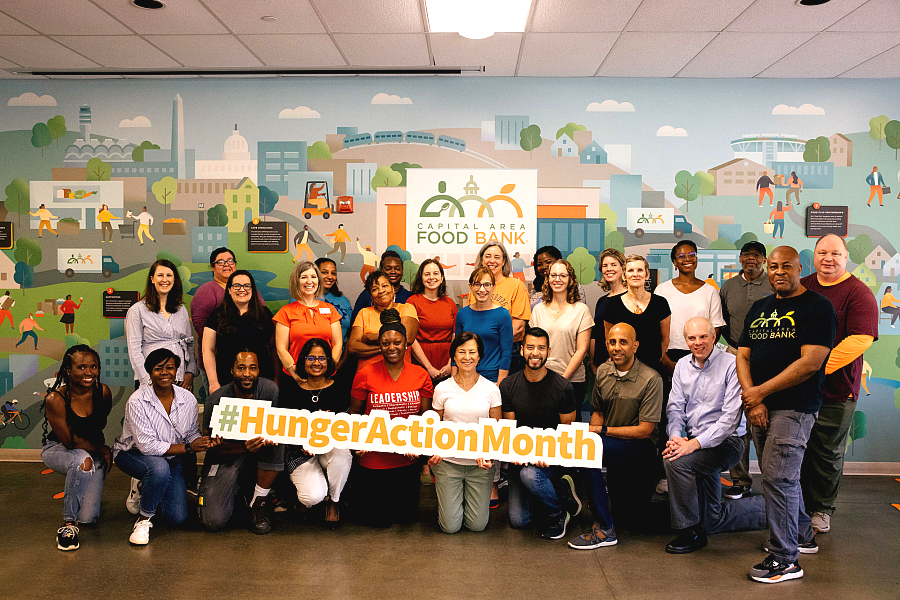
[(674, 408)]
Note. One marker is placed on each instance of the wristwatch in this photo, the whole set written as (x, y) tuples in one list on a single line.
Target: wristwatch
[(187, 449), (603, 430)]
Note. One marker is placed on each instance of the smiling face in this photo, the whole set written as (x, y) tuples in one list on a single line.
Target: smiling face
[(466, 356), (382, 292), (316, 362), (431, 277), (329, 275), (245, 371), (636, 273), (559, 278), (393, 268), (685, 259), (393, 346), (536, 351), (309, 283), (700, 337), (621, 345), (163, 279), (482, 289), (753, 263), (543, 263), (830, 258), (784, 271), (493, 260), (163, 375), (612, 270), (223, 266), (85, 369), (241, 290)]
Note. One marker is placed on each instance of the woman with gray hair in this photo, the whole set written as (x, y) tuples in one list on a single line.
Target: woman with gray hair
[(509, 292)]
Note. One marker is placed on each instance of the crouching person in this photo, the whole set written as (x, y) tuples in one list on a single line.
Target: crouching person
[(233, 467), (705, 404)]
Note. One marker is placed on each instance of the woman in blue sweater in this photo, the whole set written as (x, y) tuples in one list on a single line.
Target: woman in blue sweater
[(491, 322)]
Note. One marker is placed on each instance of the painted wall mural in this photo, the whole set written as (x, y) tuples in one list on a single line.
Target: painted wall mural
[(101, 177)]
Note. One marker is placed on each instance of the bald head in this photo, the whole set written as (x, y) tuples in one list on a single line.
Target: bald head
[(700, 336), (784, 271), (622, 330), (830, 258), (621, 343)]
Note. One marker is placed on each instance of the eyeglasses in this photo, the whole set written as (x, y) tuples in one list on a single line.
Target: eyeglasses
[(683, 256), (224, 263), (559, 275), (484, 286), (321, 359), (242, 286), (755, 255)]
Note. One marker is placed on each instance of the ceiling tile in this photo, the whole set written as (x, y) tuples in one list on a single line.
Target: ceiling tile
[(34, 51), (582, 15), (784, 15), (874, 15), (71, 17), (5, 64), (831, 53), (686, 15), (729, 54), (122, 51), (9, 26), (372, 16), (11, 75), (181, 16), (497, 54), (294, 16), (884, 65), (394, 50), (656, 54), (298, 51), (206, 51), (551, 54)]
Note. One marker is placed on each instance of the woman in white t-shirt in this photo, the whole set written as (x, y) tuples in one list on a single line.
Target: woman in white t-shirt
[(463, 485), (568, 322), (688, 297)]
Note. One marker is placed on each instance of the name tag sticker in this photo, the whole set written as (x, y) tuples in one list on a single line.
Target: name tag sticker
[(325, 311), (213, 470)]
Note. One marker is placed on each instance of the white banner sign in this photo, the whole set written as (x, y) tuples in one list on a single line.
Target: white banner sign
[(318, 432)]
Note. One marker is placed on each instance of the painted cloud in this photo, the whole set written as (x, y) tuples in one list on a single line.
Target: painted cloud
[(138, 121), (669, 131), (30, 99), (610, 106), (383, 98), (301, 112), (803, 109)]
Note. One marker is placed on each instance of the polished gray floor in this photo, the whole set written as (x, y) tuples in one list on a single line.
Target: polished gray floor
[(858, 559)]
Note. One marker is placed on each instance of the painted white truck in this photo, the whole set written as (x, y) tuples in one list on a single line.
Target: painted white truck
[(85, 260), (657, 220)]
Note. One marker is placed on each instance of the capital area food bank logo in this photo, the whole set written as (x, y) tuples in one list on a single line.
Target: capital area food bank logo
[(453, 205), (773, 326)]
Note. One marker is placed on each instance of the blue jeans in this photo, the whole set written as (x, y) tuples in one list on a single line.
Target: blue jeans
[(527, 484), (25, 336), (695, 491), (162, 483), (779, 224), (598, 496), (782, 446), (83, 488)]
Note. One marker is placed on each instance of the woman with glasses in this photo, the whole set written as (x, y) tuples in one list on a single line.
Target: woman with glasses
[(437, 316), (543, 259), (242, 321), (317, 476), (364, 337), (508, 292), (688, 297), (306, 318), (211, 294), (491, 322), (568, 323)]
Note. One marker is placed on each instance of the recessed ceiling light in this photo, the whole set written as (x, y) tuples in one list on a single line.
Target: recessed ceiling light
[(148, 4), (477, 19), (268, 18), (811, 2)]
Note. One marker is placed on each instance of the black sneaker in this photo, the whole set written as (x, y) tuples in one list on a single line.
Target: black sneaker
[(772, 571), (569, 498), (807, 548), (67, 537), (736, 491), (260, 523), (557, 527)]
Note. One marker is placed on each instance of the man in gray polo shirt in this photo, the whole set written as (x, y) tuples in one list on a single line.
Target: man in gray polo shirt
[(738, 294)]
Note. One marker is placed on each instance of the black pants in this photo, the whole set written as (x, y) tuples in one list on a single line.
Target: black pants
[(387, 496)]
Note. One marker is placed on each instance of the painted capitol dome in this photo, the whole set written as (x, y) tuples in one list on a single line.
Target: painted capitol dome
[(236, 147)]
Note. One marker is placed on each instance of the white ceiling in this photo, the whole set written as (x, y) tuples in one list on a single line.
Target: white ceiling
[(564, 38)]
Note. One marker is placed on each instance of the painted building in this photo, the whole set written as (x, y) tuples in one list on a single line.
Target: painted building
[(7, 271), (737, 177), (582, 139), (507, 129), (242, 204), (891, 267), (276, 160), (80, 200), (205, 240), (115, 362), (568, 234), (624, 193), (189, 193), (877, 258), (841, 150), (359, 181), (593, 154), (564, 147), (815, 175), (767, 148), (235, 163), (85, 148)]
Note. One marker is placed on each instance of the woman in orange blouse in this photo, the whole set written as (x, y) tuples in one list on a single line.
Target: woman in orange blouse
[(363, 342)]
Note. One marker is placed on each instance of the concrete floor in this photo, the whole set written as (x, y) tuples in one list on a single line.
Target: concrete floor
[(858, 559)]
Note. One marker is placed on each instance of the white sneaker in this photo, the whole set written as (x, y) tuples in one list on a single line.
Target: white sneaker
[(662, 487), (821, 522), (140, 536), (133, 502)]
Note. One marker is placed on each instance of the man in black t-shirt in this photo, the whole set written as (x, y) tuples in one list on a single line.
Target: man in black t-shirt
[(781, 367), (538, 397)]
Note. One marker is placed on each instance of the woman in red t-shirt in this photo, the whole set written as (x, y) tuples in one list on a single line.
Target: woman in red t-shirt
[(437, 317), (306, 318), (387, 484)]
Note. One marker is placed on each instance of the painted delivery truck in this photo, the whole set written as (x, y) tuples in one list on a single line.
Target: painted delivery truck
[(657, 220), (85, 260)]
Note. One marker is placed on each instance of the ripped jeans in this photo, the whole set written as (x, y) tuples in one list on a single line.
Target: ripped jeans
[(81, 503)]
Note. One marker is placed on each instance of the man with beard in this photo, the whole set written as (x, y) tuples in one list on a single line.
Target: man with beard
[(627, 400), (537, 397), (234, 465)]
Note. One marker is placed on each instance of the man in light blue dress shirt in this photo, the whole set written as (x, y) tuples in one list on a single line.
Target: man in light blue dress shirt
[(705, 430)]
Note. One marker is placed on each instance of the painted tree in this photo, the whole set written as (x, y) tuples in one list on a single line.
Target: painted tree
[(169, 256), (217, 216), (859, 248), (892, 136), (570, 130), (403, 253), (319, 150), (610, 215), (164, 190), (687, 186), (749, 236), (385, 176), (402, 167), (28, 255), (40, 136), (185, 273), (817, 150), (808, 267), (57, 127), (137, 155), (410, 268), (268, 198), (707, 184), (721, 244), (584, 264), (530, 138), (876, 128), (97, 170), (24, 276), (18, 198), (616, 239)]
